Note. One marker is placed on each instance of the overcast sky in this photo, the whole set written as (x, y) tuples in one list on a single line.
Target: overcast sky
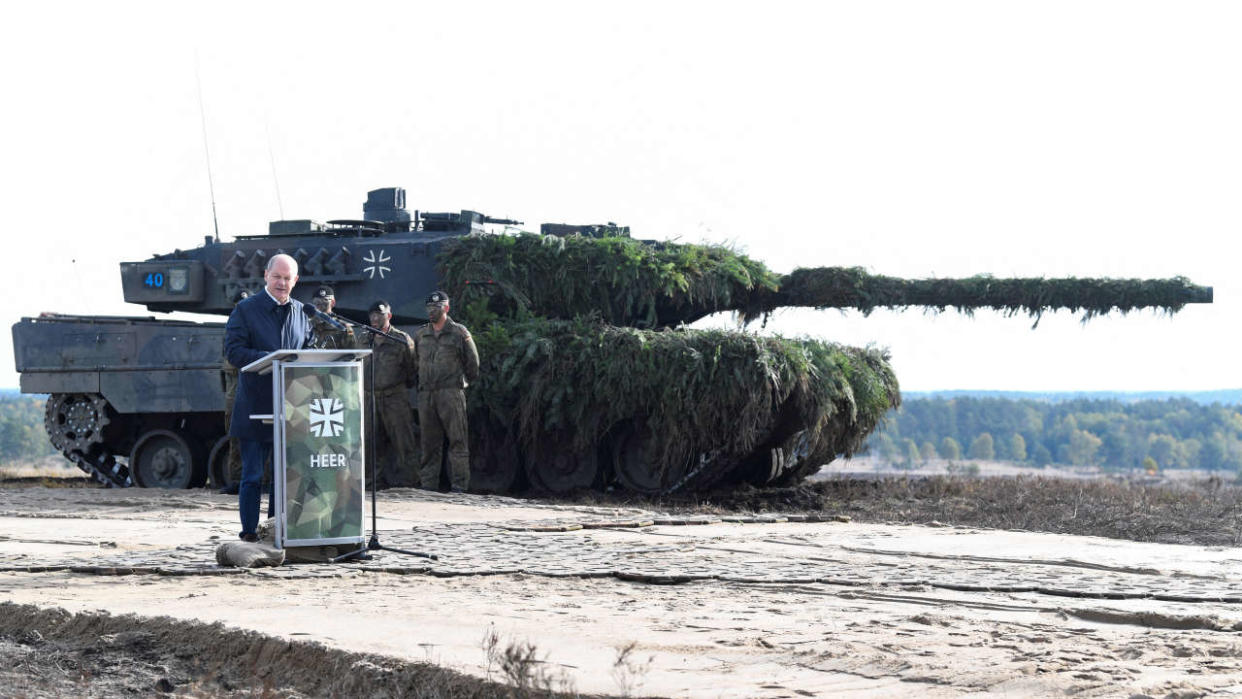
[(912, 138)]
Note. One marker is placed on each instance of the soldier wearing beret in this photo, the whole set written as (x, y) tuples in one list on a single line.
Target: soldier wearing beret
[(447, 362), (393, 364), (328, 337)]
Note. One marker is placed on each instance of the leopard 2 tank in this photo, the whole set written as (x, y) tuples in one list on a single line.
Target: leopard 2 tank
[(590, 378)]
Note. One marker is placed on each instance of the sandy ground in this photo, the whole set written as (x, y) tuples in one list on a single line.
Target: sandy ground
[(872, 466), (715, 609)]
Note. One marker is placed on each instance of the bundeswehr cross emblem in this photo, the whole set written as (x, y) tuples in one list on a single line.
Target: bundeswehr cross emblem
[(327, 417)]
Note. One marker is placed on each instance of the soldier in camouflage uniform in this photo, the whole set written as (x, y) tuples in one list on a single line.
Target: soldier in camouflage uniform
[(394, 374), (326, 336), (447, 362), (233, 467)]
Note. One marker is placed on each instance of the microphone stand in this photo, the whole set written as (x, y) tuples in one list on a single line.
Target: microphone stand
[(374, 543)]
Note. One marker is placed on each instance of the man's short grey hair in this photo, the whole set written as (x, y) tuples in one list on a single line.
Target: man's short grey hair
[(272, 261)]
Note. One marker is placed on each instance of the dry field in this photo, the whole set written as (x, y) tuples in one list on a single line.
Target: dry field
[(936, 585), (1173, 510), (52, 470)]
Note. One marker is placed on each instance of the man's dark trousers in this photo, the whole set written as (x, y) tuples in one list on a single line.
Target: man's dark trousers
[(254, 455)]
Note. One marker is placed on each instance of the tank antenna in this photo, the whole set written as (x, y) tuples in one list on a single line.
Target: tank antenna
[(272, 155), (203, 118)]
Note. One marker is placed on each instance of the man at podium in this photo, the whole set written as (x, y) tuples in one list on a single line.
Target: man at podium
[(258, 325)]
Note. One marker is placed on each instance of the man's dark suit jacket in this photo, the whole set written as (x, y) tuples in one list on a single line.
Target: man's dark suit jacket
[(254, 329)]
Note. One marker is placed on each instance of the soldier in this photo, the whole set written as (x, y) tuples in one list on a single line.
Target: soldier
[(233, 467), (328, 337), (447, 362), (394, 370)]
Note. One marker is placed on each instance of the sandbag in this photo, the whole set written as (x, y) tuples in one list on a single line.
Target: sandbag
[(246, 554)]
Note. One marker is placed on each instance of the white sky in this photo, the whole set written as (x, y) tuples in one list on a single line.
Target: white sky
[(911, 138)]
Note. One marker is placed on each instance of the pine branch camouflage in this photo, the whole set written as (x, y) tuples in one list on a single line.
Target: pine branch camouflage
[(580, 337), (630, 282)]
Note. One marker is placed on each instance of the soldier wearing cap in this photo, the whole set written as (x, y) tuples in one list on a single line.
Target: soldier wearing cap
[(233, 467), (394, 368), (328, 337), (447, 362)]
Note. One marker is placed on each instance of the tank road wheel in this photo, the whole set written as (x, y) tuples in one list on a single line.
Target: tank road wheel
[(636, 467), (218, 464), (494, 463), (164, 459), (562, 470), (76, 421)]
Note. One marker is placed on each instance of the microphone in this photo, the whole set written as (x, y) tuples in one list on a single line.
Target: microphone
[(313, 313)]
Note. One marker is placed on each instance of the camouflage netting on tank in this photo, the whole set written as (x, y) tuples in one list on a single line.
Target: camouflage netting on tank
[(646, 284), (854, 287), (697, 390), (721, 397), (622, 281)]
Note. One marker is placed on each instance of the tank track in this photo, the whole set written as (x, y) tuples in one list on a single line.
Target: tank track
[(104, 468), (75, 424)]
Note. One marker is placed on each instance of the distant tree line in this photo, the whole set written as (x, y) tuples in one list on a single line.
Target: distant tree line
[(21, 428), (1175, 433)]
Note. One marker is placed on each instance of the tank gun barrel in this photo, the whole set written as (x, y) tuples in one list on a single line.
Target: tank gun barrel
[(853, 287), (501, 221)]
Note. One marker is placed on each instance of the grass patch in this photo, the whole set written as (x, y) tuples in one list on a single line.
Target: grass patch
[(48, 471)]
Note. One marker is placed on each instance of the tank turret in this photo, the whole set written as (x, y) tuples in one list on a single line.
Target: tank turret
[(389, 253), (649, 284)]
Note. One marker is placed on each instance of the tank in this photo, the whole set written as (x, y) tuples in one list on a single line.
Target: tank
[(590, 378)]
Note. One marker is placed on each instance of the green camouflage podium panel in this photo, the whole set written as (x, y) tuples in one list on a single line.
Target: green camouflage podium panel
[(319, 449)]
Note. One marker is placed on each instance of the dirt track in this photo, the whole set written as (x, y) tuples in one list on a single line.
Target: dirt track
[(750, 607)]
